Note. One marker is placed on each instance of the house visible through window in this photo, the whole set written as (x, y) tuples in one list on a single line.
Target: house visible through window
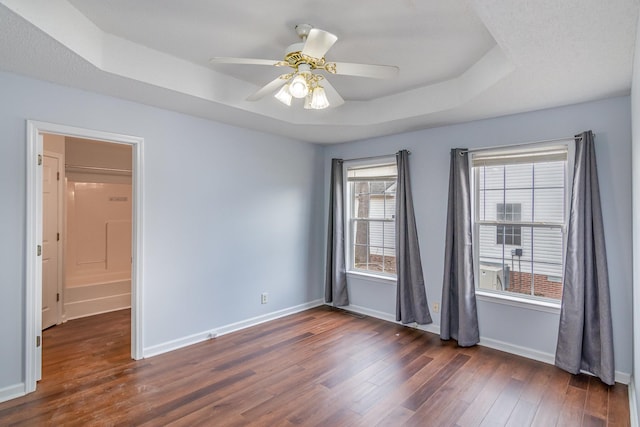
[(508, 234), (371, 193), (519, 218)]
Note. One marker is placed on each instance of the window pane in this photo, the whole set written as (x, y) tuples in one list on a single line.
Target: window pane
[(374, 248), (492, 198), (547, 250), (489, 250), (518, 176), (372, 192), (550, 174), (549, 205), (390, 201), (532, 268), (390, 237), (361, 200), (493, 177), (376, 234), (524, 199), (481, 206), (361, 244)]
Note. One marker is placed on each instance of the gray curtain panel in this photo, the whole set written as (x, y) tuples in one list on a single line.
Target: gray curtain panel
[(459, 316), (585, 337), (335, 287), (411, 299)]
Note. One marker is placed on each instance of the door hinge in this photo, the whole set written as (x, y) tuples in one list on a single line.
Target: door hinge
[(39, 159), (38, 341), (57, 297), (57, 176), (39, 250), (57, 237)]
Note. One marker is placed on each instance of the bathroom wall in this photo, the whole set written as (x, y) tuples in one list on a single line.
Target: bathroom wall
[(98, 227)]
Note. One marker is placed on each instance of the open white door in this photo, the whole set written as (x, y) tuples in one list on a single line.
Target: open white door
[(51, 166)]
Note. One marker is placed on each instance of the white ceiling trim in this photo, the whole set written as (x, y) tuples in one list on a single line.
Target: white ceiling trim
[(117, 56), (533, 55)]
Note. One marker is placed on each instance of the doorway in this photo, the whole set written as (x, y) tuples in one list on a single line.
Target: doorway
[(36, 237), (86, 234)]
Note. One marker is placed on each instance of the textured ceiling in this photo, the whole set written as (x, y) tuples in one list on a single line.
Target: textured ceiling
[(459, 60)]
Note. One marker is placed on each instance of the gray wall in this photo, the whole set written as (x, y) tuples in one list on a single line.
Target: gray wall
[(229, 213), (533, 331), (635, 123)]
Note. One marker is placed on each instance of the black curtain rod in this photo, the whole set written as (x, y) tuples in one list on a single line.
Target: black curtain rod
[(373, 157), (523, 143)]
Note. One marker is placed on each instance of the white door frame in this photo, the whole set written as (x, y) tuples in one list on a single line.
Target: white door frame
[(33, 274)]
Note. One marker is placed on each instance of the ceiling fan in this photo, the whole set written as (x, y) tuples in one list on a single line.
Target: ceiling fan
[(306, 58)]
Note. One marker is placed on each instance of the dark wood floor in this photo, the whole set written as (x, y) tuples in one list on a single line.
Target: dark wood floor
[(320, 367)]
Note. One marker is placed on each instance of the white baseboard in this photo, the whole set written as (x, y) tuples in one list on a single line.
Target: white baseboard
[(178, 343), (90, 307), (529, 353), (96, 298), (226, 329), (12, 391), (267, 317), (433, 328), (633, 404)]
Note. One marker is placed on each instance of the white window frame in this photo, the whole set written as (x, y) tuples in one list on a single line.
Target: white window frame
[(504, 297), (386, 278)]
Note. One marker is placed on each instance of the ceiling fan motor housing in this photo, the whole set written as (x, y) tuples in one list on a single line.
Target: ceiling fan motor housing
[(303, 30)]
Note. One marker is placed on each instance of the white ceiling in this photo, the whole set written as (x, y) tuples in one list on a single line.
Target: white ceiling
[(459, 60)]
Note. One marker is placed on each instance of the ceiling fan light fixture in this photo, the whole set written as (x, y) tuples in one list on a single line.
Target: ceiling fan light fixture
[(319, 99), (283, 95), (298, 88)]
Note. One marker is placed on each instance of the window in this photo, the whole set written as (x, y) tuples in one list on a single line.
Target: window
[(519, 220), (371, 193)]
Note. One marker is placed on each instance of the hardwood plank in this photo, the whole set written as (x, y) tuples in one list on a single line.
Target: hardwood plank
[(321, 367), (597, 403), (618, 413), (551, 403), (591, 421), (579, 381), (430, 387), (522, 414), (399, 416), (480, 406), (572, 411), (503, 406)]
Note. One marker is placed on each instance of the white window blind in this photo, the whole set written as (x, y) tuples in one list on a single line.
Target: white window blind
[(497, 158), (385, 172)]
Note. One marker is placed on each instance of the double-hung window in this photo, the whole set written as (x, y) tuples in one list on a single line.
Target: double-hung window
[(520, 214), (371, 206)]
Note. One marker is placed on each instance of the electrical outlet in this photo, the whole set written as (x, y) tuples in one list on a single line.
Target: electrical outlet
[(264, 298), (436, 307)]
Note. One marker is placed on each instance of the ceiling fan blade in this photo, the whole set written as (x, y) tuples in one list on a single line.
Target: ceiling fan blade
[(242, 61), (268, 88), (318, 43), (335, 100), (367, 70)]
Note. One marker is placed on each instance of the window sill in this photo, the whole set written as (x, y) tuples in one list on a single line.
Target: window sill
[(386, 280), (514, 301)]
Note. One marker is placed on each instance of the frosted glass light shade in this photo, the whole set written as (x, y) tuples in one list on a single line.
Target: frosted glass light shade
[(298, 87), (283, 95), (319, 99)]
